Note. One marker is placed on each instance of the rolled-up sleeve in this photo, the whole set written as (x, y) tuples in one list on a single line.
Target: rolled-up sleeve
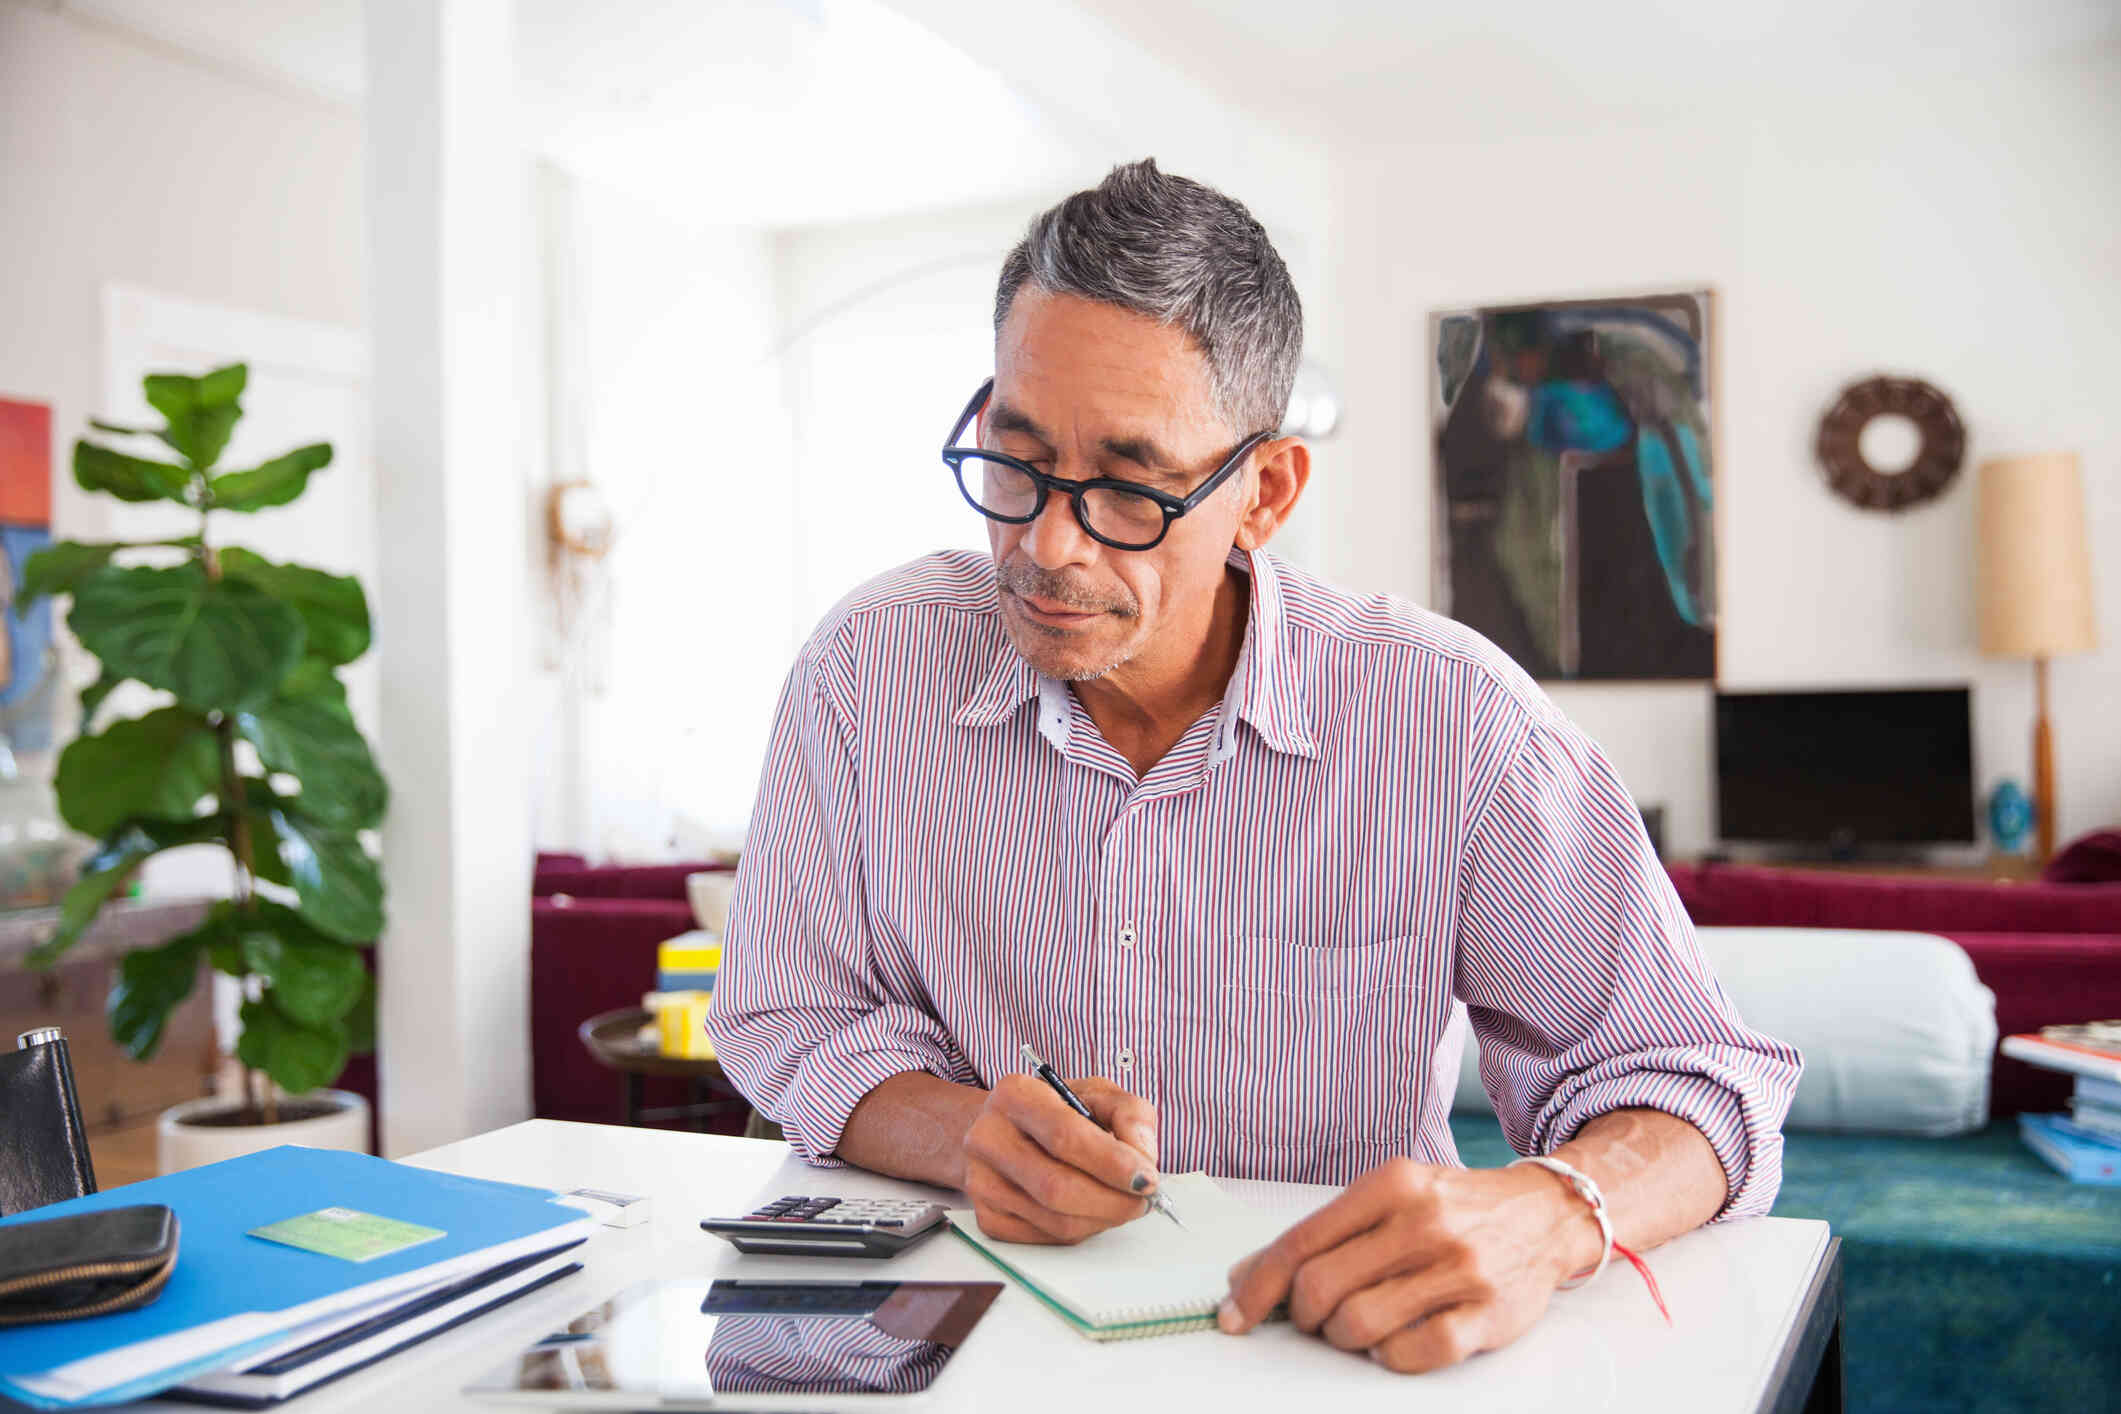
[(1585, 984), (802, 1021)]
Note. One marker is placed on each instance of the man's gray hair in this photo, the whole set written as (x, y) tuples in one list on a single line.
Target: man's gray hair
[(1186, 256)]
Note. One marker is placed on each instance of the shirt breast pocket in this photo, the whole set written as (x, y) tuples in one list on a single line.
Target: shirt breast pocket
[(1322, 1046)]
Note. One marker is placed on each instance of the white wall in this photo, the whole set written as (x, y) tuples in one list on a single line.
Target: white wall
[(1963, 233), (887, 329), (687, 435), (120, 162)]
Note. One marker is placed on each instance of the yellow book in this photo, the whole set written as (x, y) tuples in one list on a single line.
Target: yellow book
[(681, 1024)]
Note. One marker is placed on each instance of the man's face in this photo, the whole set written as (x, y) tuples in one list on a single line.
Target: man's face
[(1084, 390)]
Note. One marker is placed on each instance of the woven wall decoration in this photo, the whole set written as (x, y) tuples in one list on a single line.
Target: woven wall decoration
[(1936, 462)]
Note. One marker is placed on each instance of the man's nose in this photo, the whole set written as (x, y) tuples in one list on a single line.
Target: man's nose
[(1056, 538)]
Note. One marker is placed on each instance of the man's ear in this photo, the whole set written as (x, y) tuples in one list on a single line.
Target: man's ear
[(1284, 469)]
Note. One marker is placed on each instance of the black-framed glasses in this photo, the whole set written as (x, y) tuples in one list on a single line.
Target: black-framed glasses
[(1123, 514)]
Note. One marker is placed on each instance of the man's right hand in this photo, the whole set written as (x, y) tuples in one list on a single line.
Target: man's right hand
[(1037, 1171)]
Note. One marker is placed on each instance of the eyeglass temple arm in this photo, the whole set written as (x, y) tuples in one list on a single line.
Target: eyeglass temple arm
[(964, 418)]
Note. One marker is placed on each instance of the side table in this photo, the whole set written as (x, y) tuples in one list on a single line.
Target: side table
[(613, 1039)]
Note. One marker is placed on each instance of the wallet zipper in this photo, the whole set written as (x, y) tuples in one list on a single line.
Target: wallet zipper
[(132, 1295)]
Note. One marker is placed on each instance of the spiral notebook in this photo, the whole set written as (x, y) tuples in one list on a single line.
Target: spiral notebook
[(1148, 1277)]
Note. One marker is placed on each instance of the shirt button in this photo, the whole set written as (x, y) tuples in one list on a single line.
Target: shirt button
[(1126, 1060), (1126, 935)]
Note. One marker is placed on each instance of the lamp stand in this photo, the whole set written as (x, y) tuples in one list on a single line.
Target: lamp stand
[(2043, 766)]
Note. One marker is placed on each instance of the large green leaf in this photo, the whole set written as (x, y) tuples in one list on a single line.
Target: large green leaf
[(274, 483), (107, 871), (56, 569), (98, 468), (298, 1057), (314, 739), (158, 766), (360, 1022), (150, 984), (201, 411), (217, 644), (338, 888), (334, 610), (313, 677), (315, 979)]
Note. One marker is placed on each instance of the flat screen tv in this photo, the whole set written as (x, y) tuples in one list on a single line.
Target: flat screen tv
[(1839, 771)]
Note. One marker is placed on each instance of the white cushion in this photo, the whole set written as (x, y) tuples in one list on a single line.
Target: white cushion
[(1896, 1031)]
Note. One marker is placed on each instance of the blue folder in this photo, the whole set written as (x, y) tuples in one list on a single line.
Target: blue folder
[(222, 1271)]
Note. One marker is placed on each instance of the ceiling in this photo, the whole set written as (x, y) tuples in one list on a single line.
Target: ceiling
[(801, 112), (740, 112), (1457, 71)]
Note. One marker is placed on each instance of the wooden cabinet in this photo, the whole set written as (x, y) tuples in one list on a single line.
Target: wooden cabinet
[(115, 1090)]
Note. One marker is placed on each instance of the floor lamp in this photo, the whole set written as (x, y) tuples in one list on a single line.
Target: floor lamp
[(2035, 588)]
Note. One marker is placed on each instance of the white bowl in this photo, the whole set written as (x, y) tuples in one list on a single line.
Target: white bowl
[(708, 891)]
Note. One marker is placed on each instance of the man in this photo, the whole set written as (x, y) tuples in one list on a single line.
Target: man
[(1225, 842)]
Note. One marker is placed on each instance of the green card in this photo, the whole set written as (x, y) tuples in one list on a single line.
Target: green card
[(347, 1233)]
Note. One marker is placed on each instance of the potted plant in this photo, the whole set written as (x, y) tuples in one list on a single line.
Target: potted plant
[(252, 749)]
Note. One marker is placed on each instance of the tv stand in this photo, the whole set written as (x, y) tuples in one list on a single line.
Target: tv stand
[(1996, 869)]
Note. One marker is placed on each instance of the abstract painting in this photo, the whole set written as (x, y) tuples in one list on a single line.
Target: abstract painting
[(1575, 510), (28, 675)]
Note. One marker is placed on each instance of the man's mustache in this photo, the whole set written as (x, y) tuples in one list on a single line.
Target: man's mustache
[(1023, 578)]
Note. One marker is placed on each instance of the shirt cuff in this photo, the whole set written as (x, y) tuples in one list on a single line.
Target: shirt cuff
[(840, 1070), (1724, 1105)]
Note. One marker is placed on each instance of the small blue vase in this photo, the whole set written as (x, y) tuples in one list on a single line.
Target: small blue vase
[(2010, 816)]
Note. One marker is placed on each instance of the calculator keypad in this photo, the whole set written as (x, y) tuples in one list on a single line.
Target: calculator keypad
[(901, 1214)]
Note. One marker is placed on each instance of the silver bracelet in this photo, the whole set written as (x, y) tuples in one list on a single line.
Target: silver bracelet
[(1587, 1190)]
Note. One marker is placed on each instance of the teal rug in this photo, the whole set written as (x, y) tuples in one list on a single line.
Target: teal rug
[(1978, 1278)]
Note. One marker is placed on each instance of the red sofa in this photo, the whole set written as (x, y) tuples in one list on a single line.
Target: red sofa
[(593, 937), (2050, 952)]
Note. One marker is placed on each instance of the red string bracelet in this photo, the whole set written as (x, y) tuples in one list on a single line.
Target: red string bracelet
[(1649, 1278), (1587, 1189)]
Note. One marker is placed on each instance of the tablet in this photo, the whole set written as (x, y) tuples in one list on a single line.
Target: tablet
[(700, 1344)]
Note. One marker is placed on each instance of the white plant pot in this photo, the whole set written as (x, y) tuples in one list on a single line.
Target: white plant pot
[(181, 1144)]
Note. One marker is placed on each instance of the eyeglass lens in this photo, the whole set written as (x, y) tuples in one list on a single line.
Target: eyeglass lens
[(1003, 490)]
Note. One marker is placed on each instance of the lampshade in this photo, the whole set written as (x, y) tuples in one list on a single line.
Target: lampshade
[(2035, 563)]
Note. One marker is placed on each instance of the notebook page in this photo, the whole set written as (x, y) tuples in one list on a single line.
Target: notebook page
[(1147, 1270)]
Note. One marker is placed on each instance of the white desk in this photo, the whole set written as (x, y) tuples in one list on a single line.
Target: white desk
[(1741, 1298)]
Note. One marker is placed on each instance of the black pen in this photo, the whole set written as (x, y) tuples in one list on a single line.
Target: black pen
[(1039, 1068)]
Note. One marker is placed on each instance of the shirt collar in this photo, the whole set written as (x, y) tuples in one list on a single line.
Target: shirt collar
[(1266, 688)]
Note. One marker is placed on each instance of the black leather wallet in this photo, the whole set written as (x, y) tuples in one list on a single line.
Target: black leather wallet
[(86, 1264), (43, 1153)]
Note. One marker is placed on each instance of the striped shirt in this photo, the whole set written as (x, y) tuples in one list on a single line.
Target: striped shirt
[(1266, 936)]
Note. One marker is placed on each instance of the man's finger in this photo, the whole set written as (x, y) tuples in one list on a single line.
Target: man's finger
[(1076, 1143), (1390, 1249), (1018, 1216), (1367, 1317), (1054, 1182), (1131, 1118), (1273, 1268), (1443, 1339)]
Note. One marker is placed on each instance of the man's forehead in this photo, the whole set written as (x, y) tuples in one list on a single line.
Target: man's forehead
[(1064, 361)]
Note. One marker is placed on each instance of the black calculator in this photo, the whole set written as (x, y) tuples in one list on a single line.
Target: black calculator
[(811, 1225)]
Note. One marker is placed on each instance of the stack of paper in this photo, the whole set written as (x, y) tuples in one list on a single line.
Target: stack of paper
[(381, 1237), (2097, 1107)]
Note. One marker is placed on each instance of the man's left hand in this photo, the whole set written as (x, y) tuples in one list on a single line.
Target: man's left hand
[(1421, 1265)]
